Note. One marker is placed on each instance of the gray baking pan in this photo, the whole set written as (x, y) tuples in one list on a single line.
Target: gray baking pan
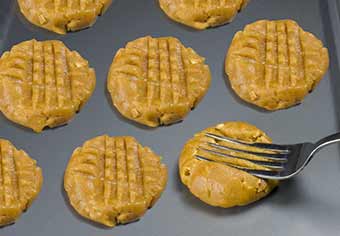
[(306, 205)]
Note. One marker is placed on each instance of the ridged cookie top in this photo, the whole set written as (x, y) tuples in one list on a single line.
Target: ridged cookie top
[(201, 14), (20, 182), (114, 180), (61, 16), (218, 183), (157, 81), (274, 64), (43, 84)]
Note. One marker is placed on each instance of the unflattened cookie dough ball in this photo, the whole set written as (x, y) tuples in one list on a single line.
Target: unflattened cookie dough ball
[(43, 84), (157, 81), (114, 180), (216, 183), (21, 181), (61, 16), (202, 14), (275, 64)]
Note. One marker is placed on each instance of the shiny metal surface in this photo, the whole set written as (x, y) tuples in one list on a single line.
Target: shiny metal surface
[(305, 205), (283, 161)]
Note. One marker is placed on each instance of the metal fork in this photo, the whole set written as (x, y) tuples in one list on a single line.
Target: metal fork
[(277, 162)]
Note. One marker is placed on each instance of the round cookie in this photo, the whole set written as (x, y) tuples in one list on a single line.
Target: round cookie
[(114, 180), (43, 84), (21, 181), (62, 16), (157, 81), (275, 64), (218, 184), (202, 14)]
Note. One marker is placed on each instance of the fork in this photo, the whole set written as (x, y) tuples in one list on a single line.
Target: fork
[(277, 162)]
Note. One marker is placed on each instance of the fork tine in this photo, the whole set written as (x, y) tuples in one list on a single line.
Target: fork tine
[(270, 156), (266, 174), (267, 146), (268, 164)]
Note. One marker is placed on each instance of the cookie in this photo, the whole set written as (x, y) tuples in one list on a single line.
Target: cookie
[(275, 64), (202, 14), (219, 183), (43, 84), (157, 81), (61, 16), (114, 180), (21, 181)]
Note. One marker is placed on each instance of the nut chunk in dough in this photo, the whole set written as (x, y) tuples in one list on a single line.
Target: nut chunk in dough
[(275, 64), (114, 180), (21, 181), (61, 16), (217, 183), (202, 14), (43, 84), (157, 81)]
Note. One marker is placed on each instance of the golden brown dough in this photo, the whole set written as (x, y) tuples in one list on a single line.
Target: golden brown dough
[(275, 64), (157, 81), (218, 184), (21, 181), (43, 84), (114, 180), (202, 14), (61, 16)]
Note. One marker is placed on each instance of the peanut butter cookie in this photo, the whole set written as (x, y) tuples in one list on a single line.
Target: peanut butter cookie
[(43, 84), (202, 14), (218, 183), (275, 64), (157, 81), (114, 180), (61, 16), (21, 181)]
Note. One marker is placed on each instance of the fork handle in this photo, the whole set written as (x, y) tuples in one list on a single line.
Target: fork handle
[(334, 138)]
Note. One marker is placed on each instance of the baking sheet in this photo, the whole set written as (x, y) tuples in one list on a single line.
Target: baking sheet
[(306, 205)]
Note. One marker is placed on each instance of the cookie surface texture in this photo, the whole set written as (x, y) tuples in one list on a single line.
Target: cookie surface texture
[(61, 16), (157, 81), (43, 84), (202, 14), (217, 183), (275, 64), (21, 181), (114, 180)]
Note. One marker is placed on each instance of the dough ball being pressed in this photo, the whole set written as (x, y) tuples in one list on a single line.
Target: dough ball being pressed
[(202, 14), (43, 84), (216, 183), (21, 181), (275, 64), (114, 180), (61, 16), (157, 81)]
